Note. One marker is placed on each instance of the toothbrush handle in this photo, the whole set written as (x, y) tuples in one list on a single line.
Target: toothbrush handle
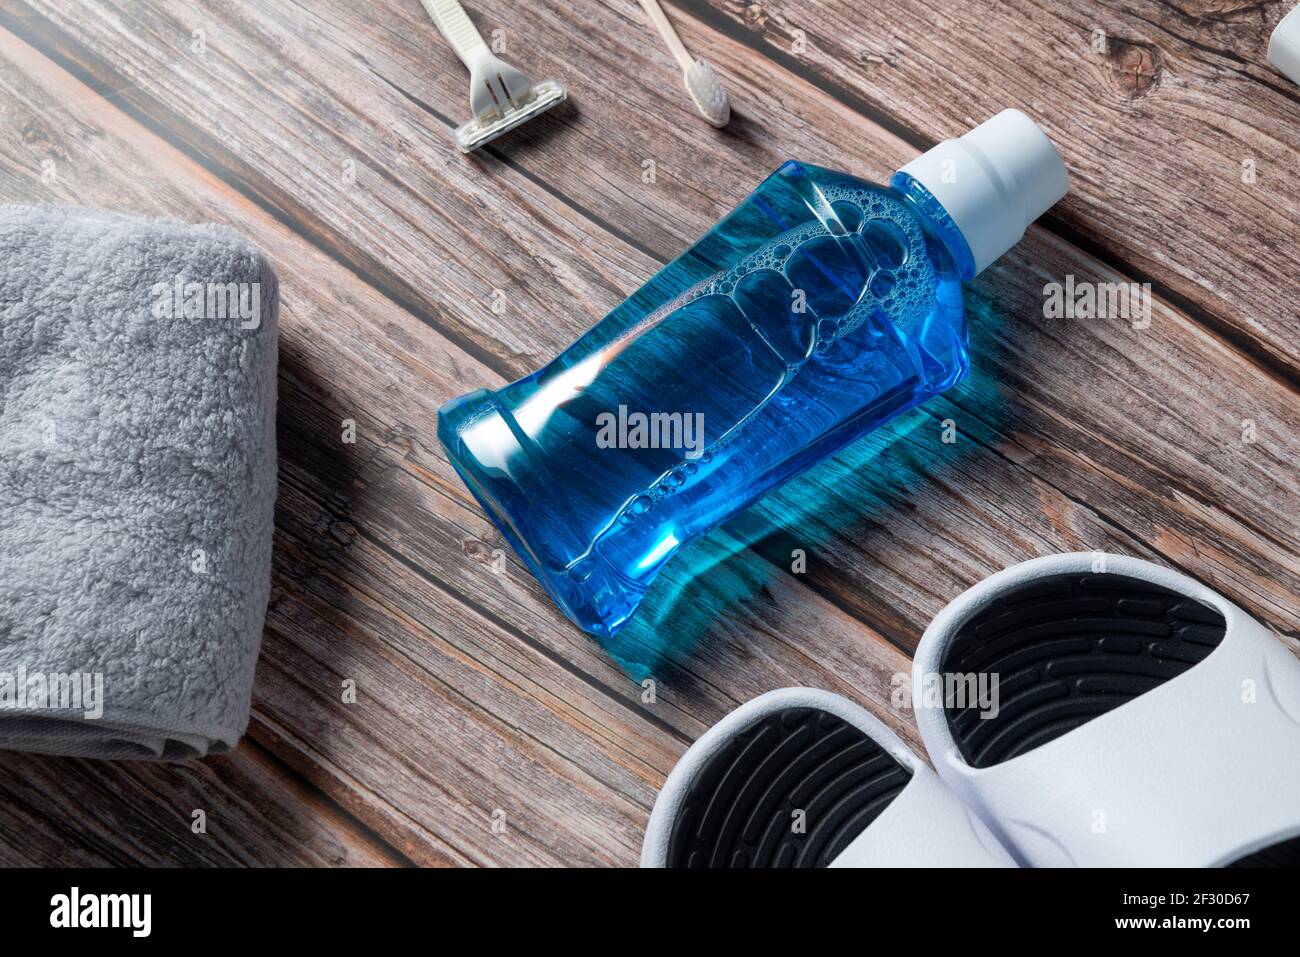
[(660, 20), (456, 26)]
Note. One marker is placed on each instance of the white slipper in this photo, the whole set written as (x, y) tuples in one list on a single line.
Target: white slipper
[(1142, 719), (806, 778)]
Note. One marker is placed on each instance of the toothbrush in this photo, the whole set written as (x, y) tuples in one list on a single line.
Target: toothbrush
[(702, 81), (500, 97)]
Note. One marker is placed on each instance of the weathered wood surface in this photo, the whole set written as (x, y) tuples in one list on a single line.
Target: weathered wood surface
[(321, 132), (1155, 106)]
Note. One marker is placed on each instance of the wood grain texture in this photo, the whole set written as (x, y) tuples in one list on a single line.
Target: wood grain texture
[(344, 633), (571, 168), (328, 567), (71, 812), (321, 132), (1154, 105)]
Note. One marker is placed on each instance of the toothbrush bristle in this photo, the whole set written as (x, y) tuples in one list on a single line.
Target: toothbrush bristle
[(706, 90)]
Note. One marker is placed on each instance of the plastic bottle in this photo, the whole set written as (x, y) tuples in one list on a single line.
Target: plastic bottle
[(819, 308)]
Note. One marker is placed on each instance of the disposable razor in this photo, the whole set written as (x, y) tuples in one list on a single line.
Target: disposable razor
[(500, 97)]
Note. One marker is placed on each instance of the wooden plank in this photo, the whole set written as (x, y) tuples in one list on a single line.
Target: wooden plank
[(445, 250), (265, 138), (1156, 107), (98, 168), (92, 155), (502, 183), (72, 812), (592, 173), (1048, 463)]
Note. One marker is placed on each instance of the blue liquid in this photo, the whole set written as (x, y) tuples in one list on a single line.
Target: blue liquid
[(819, 308)]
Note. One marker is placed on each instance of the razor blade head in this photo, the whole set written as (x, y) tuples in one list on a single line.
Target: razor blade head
[(480, 130)]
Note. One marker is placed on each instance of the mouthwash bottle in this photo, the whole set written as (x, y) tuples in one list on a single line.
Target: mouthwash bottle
[(817, 309)]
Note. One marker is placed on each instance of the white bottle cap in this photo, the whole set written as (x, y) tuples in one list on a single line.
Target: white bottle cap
[(1284, 46), (994, 181)]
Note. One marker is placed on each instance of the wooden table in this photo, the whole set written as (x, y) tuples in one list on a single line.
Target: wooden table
[(486, 729)]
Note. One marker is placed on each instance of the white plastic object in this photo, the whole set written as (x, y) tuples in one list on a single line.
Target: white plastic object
[(1197, 772), (994, 181), (1284, 46), (500, 97), (702, 83), (924, 826)]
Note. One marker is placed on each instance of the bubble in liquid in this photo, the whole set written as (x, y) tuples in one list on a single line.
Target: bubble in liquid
[(887, 243), (882, 284), (850, 214), (766, 298), (829, 275)]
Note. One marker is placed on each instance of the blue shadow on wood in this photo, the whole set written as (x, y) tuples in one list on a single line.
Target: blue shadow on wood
[(727, 572)]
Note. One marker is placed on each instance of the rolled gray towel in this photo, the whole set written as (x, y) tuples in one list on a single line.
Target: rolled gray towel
[(137, 482)]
